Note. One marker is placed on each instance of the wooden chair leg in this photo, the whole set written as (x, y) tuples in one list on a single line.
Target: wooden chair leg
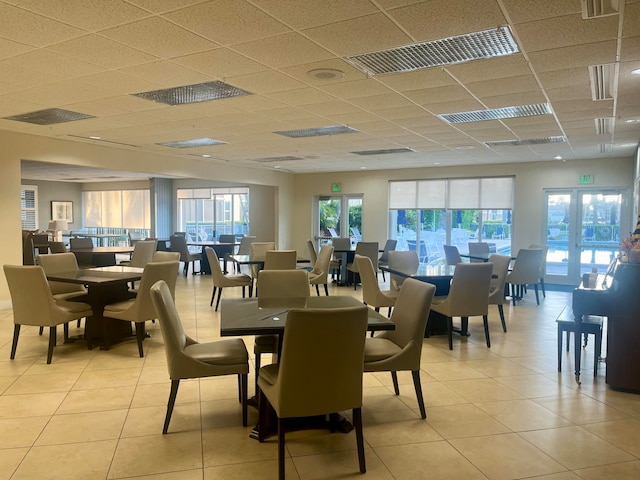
[(14, 345), (396, 387), (418, 386), (450, 332), (140, 337), (257, 362), (357, 423), (501, 312), (172, 401), (535, 287), (317, 289), (40, 330), (244, 387), (213, 294), (52, 343), (485, 321), (218, 300), (326, 289)]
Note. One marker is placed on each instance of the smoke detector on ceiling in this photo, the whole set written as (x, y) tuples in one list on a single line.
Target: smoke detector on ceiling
[(326, 74)]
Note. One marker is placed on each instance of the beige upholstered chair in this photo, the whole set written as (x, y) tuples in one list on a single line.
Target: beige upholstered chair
[(383, 261), (320, 273), (140, 309), (143, 251), (84, 259), (186, 358), (243, 249), (451, 254), (499, 277), (58, 247), (280, 259), (278, 288), (543, 265), (401, 349), (220, 280), (468, 296), (313, 254), (320, 370), (179, 244), (258, 251), (403, 261), (371, 293), (526, 271), (480, 249), (366, 249), (339, 243), (34, 304), (61, 262), (161, 256)]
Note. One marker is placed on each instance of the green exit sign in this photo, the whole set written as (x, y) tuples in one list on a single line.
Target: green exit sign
[(585, 179), (336, 187)]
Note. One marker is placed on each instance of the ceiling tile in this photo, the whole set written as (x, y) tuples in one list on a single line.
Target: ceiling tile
[(101, 51), (565, 78), (301, 72), (220, 63), (381, 102), (265, 82), (514, 99), (575, 56), (162, 6), (439, 94), (167, 74), (492, 68), (489, 88), (9, 48), (359, 88), (302, 96), (310, 13), (417, 80), (525, 11), (630, 50)]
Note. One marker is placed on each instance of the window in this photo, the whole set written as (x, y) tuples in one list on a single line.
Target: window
[(207, 213), (116, 209), (424, 215), (29, 207)]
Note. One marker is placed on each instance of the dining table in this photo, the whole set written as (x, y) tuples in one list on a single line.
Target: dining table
[(222, 249), (101, 256), (104, 285)]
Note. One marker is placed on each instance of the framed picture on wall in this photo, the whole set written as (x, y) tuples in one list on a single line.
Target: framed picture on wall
[(62, 211)]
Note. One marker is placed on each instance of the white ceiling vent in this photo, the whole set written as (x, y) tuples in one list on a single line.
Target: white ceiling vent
[(50, 116), (317, 132), (287, 158), (604, 126), (447, 51), (195, 142), (600, 8), (201, 92), (530, 141), (497, 113), (384, 151), (604, 81), (605, 147)]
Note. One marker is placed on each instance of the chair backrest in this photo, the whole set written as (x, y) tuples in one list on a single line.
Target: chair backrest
[(321, 266), (322, 361), (60, 262), (217, 275), (500, 270), (245, 245), (526, 268), (280, 259), (469, 291), (369, 249), (403, 261), (57, 247), (227, 238), (174, 338), (341, 243), (179, 244), (28, 250), (142, 308), (143, 251), (258, 252), (480, 249), (410, 316), (389, 246), (31, 298), (134, 237), (452, 255), (286, 288), (543, 264), (80, 242), (162, 256), (368, 278), (313, 254)]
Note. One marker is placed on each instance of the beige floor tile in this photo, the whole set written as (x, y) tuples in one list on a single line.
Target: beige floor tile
[(221, 388), (195, 474), (54, 382), (157, 454), (622, 433), (397, 428), (114, 377), (581, 409), (10, 458), (619, 471), (228, 446), (21, 432), (482, 390), (522, 415), (460, 421), (502, 457), (6, 381), (384, 403), (558, 476), (316, 441), (225, 413), (96, 400), (575, 448), (157, 394), (150, 420), (262, 470), (445, 371), (83, 427), (340, 465), (438, 394), (538, 363), (439, 459), (498, 367), (78, 461), (532, 386), (16, 406)]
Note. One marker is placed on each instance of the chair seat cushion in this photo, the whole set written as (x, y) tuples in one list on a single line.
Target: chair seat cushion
[(266, 340), (73, 307), (118, 306), (269, 373), (223, 352), (378, 348)]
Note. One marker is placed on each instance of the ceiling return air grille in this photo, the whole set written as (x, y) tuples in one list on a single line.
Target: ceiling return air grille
[(447, 51), (196, 142), (605, 148), (604, 126), (604, 81), (50, 116), (600, 8), (201, 92), (287, 158), (317, 132), (497, 113), (386, 151), (530, 141)]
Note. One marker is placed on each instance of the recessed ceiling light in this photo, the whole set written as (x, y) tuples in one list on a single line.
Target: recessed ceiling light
[(206, 156), (436, 163), (632, 120), (195, 142), (94, 137), (276, 166), (558, 157), (635, 72), (326, 74), (464, 147), (363, 168)]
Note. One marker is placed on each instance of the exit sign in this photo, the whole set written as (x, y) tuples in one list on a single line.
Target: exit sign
[(585, 179), (336, 187)]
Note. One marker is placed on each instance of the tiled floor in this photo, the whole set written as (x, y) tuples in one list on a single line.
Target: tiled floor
[(499, 413)]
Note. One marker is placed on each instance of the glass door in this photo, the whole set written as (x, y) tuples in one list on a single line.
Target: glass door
[(338, 216), (583, 232)]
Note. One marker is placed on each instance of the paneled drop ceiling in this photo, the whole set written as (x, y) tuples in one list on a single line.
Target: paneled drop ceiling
[(292, 60)]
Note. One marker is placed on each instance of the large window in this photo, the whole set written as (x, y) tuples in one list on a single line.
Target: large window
[(117, 209), (424, 215), (29, 207), (207, 213)]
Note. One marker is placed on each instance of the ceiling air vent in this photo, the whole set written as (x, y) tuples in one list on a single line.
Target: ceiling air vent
[(604, 126), (287, 158), (387, 151), (447, 51), (604, 81), (497, 113), (201, 92), (530, 141), (49, 116), (600, 8), (605, 147), (196, 142), (317, 132)]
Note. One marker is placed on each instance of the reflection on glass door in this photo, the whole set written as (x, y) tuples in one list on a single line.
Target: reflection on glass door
[(338, 216), (583, 232)]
